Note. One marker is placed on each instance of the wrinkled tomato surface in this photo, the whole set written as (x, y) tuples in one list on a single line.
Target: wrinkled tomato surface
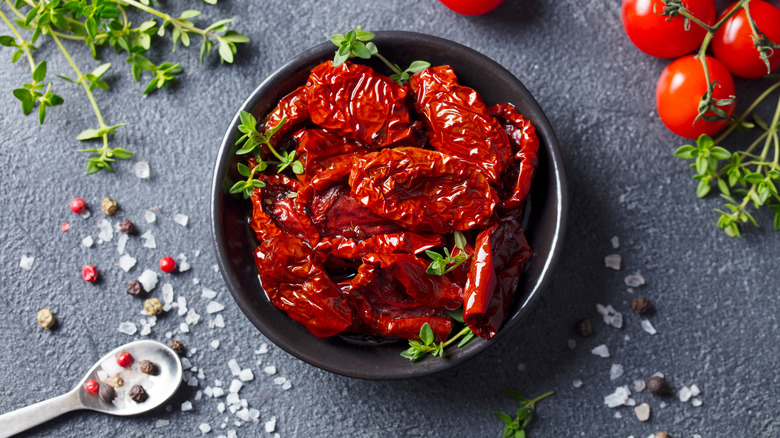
[(389, 172)]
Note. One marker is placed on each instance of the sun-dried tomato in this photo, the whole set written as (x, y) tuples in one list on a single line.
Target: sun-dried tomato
[(293, 107), (525, 145), (276, 211), (355, 101), (319, 148), (500, 255), (459, 123), (423, 190), (407, 242)]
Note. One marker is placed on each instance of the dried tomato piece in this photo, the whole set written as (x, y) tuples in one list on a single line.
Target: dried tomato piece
[(298, 285), (385, 310), (275, 210), (525, 145), (292, 106), (355, 101), (407, 242), (336, 213), (500, 255), (459, 123), (423, 190), (319, 148)]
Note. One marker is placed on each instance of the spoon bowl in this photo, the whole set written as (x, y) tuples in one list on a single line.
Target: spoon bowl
[(159, 387)]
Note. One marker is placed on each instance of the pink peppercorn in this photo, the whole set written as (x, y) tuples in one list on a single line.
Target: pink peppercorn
[(124, 359), (89, 273), (78, 206), (167, 264), (91, 386)]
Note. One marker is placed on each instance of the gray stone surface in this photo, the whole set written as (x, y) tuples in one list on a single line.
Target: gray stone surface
[(716, 297)]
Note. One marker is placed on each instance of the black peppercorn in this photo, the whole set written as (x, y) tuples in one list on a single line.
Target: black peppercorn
[(127, 227), (149, 367), (584, 328), (178, 347), (107, 393), (135, 288), (641, 305), (138, 394), (658, 386)]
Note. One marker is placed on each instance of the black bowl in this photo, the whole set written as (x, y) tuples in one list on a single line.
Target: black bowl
[(234, 241)]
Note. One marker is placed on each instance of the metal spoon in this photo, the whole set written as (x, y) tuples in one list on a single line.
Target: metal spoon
[(159, 387)]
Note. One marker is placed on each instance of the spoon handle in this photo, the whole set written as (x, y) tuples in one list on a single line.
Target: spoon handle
[(33, 415)]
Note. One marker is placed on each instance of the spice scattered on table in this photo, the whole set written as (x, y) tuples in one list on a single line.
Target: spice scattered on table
[(152, 307), (641, 305), (663, 435), (135, 288), (149, 367), (178, 347), (657, 385), (584, 328), (642, 412), (138, 394), (109, 206), (78, 206), (46, 319), (89, 273), (127, 226), (91, 386), (167, 264)]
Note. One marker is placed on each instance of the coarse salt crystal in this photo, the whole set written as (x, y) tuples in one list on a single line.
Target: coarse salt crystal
[(149, 216), (185, 363), (106, 231), (204, 428), (696, 402), (615, 372), (639, 385), (279, 380), (232, 399), (610, 315), (193, 381), (577, 383), (634, 280), (615, 241), (214, 344), (254, 413), (232, 434), (243, 414), (126, 262), (685, 394), (287, 385), (235, 386), (88, 241), (246, 375), (148, 280), (167, 293), (127, 328), (648, 327), (221, 407), (208, 294), (192, 317), (146, 330), (695, 391), (618, 415), (181, 303), (662, 405), (618, 398), (161, 423), (26, 262), (186, 406), (121, 243), (111, 366), (270, 370), (613, 261), (208, 391), (184, 328), (195, 281), (219, 321), (642, 412), (201, 374), (149, 241), (142, 170), (234, 368), (198, 395), (601, 351), (262, 350), (86, 214), (217, 392), (182, 264), (270, 425), (181, 219), (214, 307)]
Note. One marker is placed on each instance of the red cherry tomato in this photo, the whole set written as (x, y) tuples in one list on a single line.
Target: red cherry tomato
[(680, 88), (656, 36), (167, 264), (472, 7), (733, 42)]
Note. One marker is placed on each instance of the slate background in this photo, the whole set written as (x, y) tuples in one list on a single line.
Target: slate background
[(715, 296)]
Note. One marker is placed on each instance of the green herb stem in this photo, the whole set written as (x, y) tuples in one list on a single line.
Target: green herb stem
[(747, 112), (81, 80), (22, 42), (457, 336), (395, 69), (176, 22)]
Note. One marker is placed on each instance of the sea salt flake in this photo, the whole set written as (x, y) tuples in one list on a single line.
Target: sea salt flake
[(26, 262), (639, 385), (148, 280), (214, 307), (695, 391), (88, 241), (577, 383), (149, 241), (601, 351), (121, 243), (214, 344), (181, 219), (167, 293), (615, 241), (142, 171), (696, 402), (235, 386), (243, 414), (618, 398), (146, 330), (234, 368), (648, 327), (262, 350), (642, 412), (615, 372), (184, 328), (126, 262), (287, 385), (279, 380), (186, 406), (192, 317), (149, 216), (255, 414), (221, 407), (219, 321), (684, 394), (204, 428), (270, 425), (217, 392), (634, 280), (127, 328), (106, 231), (246, 375), (161, 423), (613, 261), (270, 370), (208, 294), (232, 399), (610, 315), (182, 264)]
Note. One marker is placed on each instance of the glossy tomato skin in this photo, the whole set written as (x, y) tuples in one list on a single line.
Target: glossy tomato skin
[(679, 90), (472, 7), (733, 42), (654, 35)]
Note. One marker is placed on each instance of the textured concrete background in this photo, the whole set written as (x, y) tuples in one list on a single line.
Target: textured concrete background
[(716, 297)]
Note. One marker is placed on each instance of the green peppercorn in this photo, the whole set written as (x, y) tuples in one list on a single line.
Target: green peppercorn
[(152, 307), (46, 319), (108, 206)]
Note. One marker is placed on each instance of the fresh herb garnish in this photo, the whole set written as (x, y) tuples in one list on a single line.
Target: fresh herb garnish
[(95, 24), (426, 345), (357, 43), (252, 142), (441, 265), (515, 427)]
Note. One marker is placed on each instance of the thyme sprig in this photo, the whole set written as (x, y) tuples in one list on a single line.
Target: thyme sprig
[(427, 345), (441, 265), (94, 24), (356, 43), (515, 427)]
